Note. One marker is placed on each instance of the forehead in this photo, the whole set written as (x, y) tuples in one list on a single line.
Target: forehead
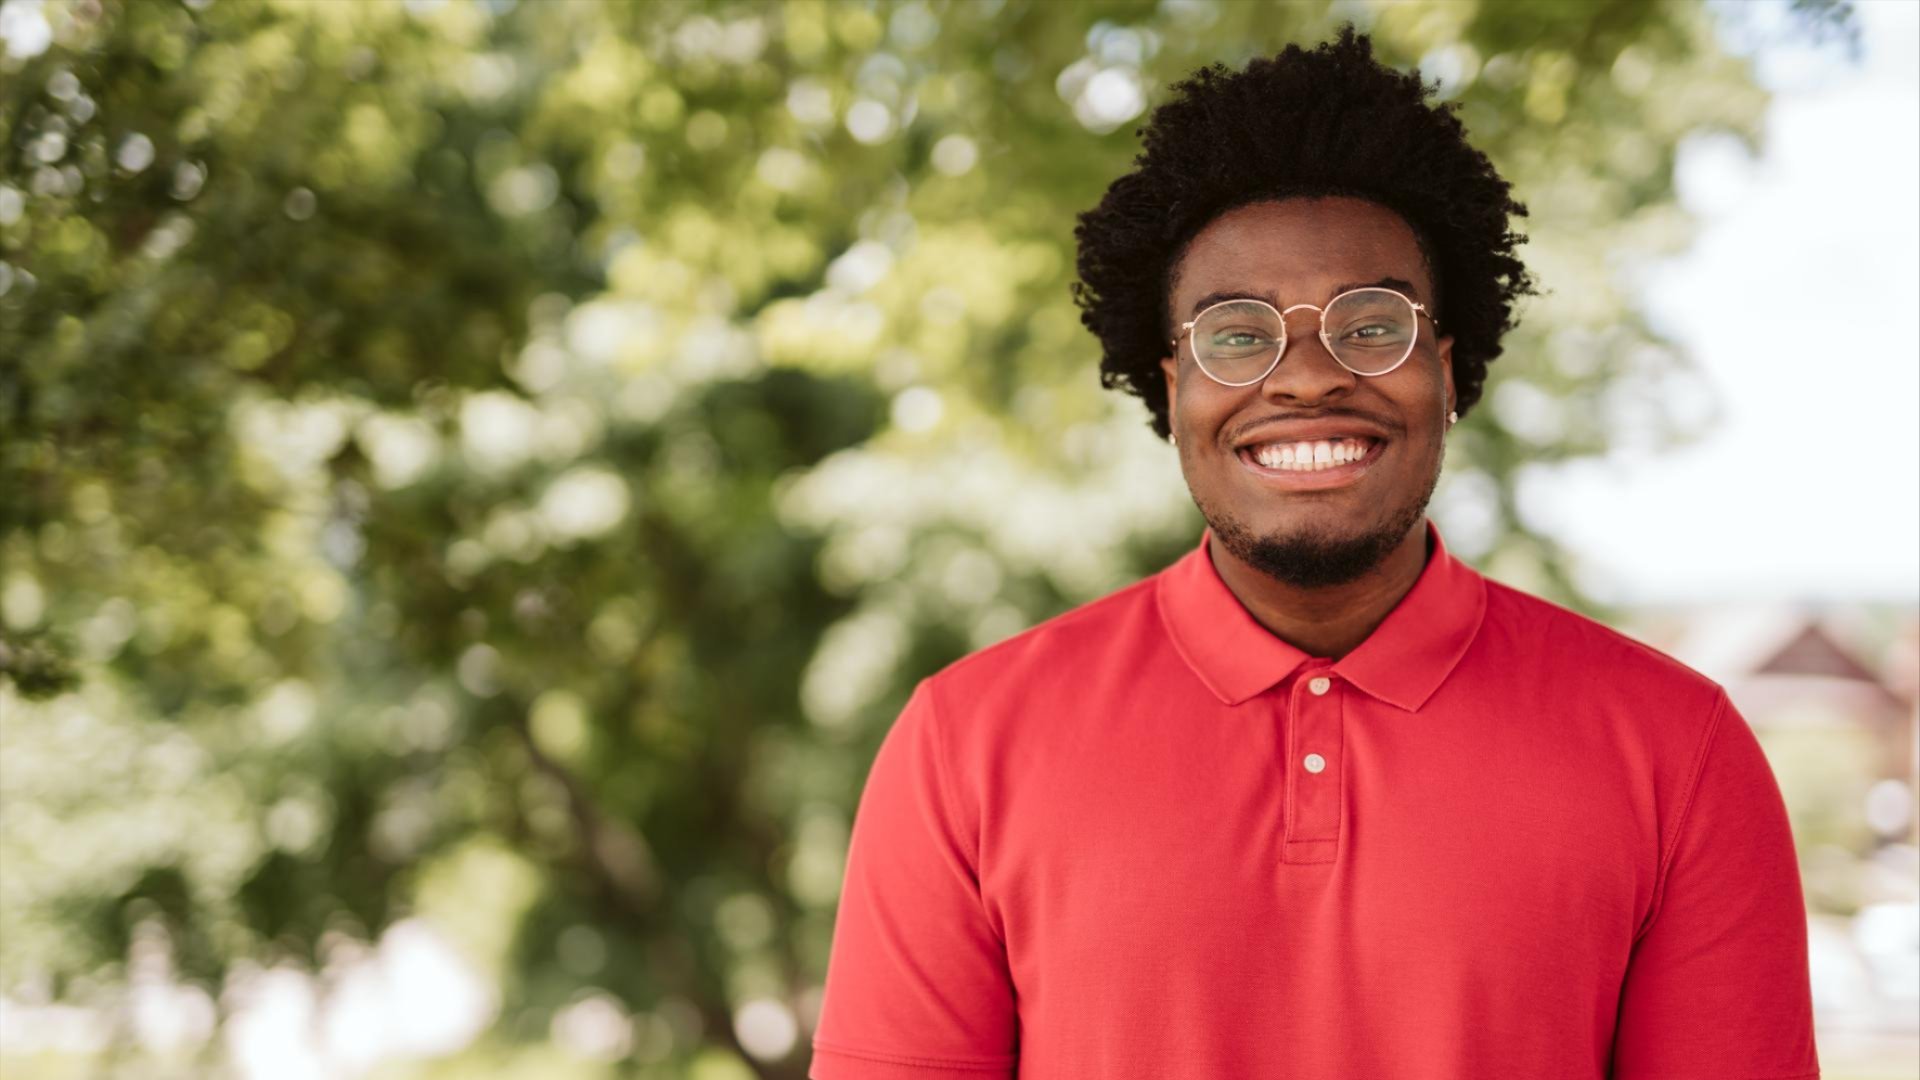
[(1299, 250)]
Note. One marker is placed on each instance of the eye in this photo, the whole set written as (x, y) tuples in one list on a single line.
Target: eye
[(1240, 336), (1374, 333)]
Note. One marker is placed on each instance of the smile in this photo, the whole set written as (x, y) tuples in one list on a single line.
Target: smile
[(1311, 465)]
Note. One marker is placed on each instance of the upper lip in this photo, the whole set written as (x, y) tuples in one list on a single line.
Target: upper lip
[(1298, 431)]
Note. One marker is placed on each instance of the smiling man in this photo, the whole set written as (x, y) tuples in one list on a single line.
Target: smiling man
[(1318, 800)]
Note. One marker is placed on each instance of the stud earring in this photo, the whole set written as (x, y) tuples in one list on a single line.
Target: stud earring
[(1172, 439), (1452, 417)]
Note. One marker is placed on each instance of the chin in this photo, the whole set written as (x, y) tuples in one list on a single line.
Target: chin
[(1315, 553)]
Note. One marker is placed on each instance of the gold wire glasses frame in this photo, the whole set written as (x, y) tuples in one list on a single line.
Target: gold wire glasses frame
[(1280, 343)]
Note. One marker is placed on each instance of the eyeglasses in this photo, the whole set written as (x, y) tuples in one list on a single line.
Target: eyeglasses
[(1369, 331)]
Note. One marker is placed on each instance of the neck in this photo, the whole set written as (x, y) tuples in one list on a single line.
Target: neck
[(1331, 621)]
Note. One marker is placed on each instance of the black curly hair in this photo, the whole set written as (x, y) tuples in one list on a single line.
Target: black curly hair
[(1330, 120)]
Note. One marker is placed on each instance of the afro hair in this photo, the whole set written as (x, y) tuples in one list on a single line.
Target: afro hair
[(1330, 120)]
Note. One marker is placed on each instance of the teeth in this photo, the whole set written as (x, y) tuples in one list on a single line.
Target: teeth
[(1311, 456)]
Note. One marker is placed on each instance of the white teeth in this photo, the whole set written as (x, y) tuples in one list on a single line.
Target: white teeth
[(1311, 456)]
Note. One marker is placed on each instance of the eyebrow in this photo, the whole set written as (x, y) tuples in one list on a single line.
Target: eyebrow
[(1218, 295)]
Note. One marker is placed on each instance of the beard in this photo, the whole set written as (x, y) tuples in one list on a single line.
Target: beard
[(1315, 557)]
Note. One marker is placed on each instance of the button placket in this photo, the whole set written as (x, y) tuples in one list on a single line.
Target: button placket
[(1314, 782)]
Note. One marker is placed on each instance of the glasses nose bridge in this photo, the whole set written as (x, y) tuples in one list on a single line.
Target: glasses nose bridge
[(1318, 331), (1319, 321), (1280, 377)]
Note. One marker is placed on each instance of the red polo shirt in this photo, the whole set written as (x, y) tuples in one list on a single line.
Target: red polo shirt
[(1148, 839)]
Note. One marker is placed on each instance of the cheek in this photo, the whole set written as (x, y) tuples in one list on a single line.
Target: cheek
[(1206, 418), (1423, 400)]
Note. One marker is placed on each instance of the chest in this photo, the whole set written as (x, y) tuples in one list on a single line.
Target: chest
[(1315, 843)]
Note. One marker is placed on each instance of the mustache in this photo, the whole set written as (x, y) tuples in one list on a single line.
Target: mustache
[(1365, 419)]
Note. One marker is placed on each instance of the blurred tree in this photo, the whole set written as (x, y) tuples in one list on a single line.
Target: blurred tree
[(507, 462)]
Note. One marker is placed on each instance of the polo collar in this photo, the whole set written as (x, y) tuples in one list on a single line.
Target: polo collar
[(1402, 662)]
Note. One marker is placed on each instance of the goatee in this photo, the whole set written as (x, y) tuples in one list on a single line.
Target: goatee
[(1314, 558)]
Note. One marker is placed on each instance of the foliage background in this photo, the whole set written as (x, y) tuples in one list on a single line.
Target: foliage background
[(499, 467)]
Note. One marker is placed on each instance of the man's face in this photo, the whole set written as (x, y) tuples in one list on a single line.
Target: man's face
[(1309, 527)]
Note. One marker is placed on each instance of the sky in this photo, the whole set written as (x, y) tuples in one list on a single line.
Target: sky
[(1808, 487)]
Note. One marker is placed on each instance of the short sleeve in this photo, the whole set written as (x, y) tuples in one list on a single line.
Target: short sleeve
[(1717, 987), (917, 980)]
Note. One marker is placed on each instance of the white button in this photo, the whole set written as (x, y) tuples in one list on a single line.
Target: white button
[(1319, 686), (1315, 763)]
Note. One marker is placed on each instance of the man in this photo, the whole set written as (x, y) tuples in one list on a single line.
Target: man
[(1318, 800)]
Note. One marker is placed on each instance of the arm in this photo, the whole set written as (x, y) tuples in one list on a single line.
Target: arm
[(1717, 987), (917, 982)]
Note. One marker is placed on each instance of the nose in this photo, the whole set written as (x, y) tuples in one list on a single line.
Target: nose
[(1307, 373)]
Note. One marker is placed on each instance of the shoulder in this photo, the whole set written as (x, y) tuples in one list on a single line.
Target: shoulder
[(1059, 650), (1563, 644)]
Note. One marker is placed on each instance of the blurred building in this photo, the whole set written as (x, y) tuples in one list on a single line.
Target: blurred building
[(1840, 680)]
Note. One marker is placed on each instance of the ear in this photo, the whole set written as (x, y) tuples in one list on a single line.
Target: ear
[(1445, 350), (1170, 370)]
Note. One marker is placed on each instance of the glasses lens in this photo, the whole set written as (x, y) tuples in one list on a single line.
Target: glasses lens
[(1371, 329), (1236, 341)]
